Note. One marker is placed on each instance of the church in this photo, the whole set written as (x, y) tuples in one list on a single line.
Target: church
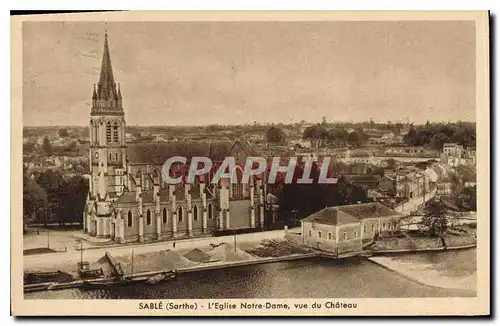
[(129, 202)]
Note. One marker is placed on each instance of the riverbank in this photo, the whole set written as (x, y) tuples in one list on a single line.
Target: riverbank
[(429, 270), (459, 237), (212, 257), (149, 265)]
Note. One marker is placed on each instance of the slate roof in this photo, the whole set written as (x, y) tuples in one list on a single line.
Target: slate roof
[(126, 198), (158, 152), (341, 215), (331, 216), (368, 210), (363, 179), (467, 173)]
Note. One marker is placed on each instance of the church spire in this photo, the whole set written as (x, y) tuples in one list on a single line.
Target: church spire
[(106, 80), (108, 98)]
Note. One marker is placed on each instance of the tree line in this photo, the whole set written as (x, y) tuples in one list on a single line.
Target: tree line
[(49, 197), (335, 136), (436, 134), (297, 200)]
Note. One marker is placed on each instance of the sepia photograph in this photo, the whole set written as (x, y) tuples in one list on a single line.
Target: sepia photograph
[(250, 164)]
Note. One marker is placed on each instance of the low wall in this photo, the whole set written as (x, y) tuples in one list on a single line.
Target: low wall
[(294, 237), (346, 246), (391, 243)]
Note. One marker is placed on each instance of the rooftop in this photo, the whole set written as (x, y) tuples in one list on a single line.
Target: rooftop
[(341, 215)]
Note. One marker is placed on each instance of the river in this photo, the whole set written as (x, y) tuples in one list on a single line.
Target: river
[(308, 278)]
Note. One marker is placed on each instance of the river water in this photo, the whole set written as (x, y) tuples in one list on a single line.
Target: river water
[(308, 278)]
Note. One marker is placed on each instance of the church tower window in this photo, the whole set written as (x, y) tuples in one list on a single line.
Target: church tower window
[(237, 188), (108, 132), (148, 217), (115, 133)]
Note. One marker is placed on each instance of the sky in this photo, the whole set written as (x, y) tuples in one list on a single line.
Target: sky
[(199, 73)]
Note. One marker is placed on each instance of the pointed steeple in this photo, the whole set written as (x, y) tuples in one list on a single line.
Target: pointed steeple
[(107, 98), (106, 80)]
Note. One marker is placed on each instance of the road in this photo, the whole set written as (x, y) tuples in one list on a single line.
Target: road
[(67, 261), (412, 223)]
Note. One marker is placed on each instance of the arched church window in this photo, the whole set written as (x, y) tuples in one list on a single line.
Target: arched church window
[(108, 132), (179, 213), (237, 188), (148, 217), (129, 219), (210, 212), (115, 133), (110, 156), (164, 216), (195, 213)]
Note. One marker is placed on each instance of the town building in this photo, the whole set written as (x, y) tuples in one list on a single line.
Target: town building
[(453, 154), (453, 149), (360, 156), (343, 229), (128, 199)]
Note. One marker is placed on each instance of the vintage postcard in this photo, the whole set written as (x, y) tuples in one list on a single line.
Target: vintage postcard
[(251, 164)]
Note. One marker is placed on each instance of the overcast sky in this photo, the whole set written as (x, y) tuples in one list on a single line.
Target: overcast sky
[(240, 72)]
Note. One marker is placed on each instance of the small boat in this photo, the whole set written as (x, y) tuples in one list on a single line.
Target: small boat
[(92, 285), (156, 279), (36, 287), (161, 277)]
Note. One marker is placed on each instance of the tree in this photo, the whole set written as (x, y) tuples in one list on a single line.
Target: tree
[(47, 146), (353, 138), (390, 163), (457, 184), (336, 136), (438, 140), (34, 197), (63, 132), (275, 135), (468, 199), (72, 195), (435, 220), (315, 132), (72, 147), (361, 135)]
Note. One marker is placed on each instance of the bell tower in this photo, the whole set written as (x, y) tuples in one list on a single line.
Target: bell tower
[(107, 133)]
